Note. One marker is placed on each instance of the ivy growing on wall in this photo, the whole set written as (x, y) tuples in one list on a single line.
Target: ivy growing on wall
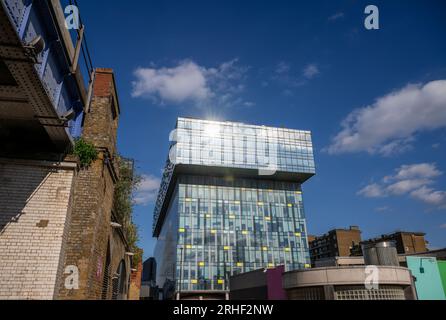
[(123, 204)]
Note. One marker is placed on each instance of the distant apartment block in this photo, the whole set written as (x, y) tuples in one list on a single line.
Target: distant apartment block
[(406, 242), (335, 243)]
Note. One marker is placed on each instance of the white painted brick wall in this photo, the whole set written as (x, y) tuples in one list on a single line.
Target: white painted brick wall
[(30, 193)]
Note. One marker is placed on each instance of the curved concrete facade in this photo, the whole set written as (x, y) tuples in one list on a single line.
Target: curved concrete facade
[(336, 283), (344, 276)]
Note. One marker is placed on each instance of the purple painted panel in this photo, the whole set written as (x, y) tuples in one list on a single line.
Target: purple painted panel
[(274, 283)]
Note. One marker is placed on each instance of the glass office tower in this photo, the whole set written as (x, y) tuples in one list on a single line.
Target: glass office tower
[(230, 201)]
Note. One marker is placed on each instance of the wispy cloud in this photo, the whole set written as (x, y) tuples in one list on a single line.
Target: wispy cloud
[(336, 16), (388, 126), (147, 190), (311, 71), (282, 68), (443, 226), (189, 82), (372, 191), (285, 76), (413, 180), (383, 209)]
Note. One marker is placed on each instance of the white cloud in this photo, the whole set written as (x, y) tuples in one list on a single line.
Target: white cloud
[(187, 81), (371, 191), (405, 186), (388, 126), (443, 226), (336, 16), (147, 190), (422, 170), (190, 82), (413, 180), (430, 196), (311, 71)]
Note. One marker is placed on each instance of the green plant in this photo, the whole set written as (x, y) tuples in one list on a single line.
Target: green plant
[(123, 205), (85, 151)]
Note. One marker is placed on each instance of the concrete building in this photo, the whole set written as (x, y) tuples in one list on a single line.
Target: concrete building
[(230, 202), (348, 280), (347, 283), (335, 243), (57, 220), (325, 283), (427, 269)]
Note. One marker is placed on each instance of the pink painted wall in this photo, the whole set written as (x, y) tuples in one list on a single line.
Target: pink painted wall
[(274, 283)]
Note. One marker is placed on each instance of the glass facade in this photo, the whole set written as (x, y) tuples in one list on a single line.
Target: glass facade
[(237, 145), (216, 226), (266, 150)]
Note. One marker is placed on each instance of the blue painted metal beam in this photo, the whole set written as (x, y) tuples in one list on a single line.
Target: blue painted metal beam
[(25, 20)]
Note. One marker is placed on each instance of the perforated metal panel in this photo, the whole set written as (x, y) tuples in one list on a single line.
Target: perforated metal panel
[(361, 293)]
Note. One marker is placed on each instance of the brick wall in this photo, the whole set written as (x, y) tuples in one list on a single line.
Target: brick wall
[(135, 283), (34, 213), (90, 230), (411, 243), (345, 239)]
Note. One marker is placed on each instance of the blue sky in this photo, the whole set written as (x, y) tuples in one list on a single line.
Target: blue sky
[(375, 100)]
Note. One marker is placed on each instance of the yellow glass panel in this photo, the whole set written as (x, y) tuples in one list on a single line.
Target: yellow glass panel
[(188, 246), (208, 216), (231, 217), (260, 203), (220, 281), (201, 264), (188, 199), (290, 205), (298, 234), (227, 248), (270, 265), (239, 264), (182, 230), (237, 202), (287, 249), (265, 248), (245, 232), (308, 266), (298, 192), (213, 231), (268, 218), (194, 281)]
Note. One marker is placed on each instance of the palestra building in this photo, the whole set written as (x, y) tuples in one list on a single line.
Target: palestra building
[(230, 202)]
